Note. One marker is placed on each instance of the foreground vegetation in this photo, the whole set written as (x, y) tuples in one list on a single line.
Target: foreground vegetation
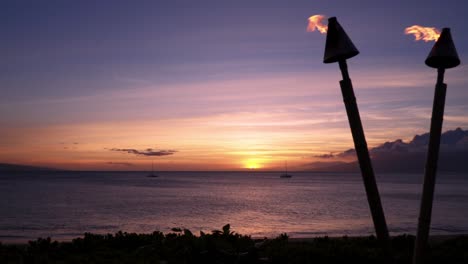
[(225, 246)]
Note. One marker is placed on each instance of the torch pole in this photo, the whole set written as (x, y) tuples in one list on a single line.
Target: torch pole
[(425, 212), (362, 152)]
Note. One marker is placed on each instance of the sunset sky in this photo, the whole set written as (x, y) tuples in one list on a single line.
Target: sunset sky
[(212, 85)]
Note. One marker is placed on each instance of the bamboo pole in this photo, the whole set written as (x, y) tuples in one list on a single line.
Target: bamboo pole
[(362, 152), (424, 221)]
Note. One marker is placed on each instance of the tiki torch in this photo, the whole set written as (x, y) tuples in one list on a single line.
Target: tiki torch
[(442, 56), (339, 48)]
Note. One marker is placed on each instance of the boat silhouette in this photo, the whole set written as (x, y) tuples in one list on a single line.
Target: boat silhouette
[(285, 174), (152, 174)]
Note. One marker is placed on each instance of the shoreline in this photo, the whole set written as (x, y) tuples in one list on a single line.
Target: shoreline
[(432, 239)]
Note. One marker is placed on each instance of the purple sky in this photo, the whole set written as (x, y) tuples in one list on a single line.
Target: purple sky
[(227, 84)]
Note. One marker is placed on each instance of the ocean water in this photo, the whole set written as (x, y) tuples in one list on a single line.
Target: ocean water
[(64, 205)]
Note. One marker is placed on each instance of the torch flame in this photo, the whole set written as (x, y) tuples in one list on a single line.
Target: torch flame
[(423, 33), (316, 22)]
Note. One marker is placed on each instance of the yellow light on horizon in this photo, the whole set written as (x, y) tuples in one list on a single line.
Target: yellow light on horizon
[(252, 164)]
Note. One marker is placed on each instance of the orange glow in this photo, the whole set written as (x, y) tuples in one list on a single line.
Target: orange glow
[(423, 33), (252, 164), (316, 22), (237, 138)]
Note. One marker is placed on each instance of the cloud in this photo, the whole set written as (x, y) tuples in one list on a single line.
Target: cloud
[(325, 156), (127, 164), (401, 156), (348, 154), (451, 141), (69, 145), (345, 155), (146, 152)]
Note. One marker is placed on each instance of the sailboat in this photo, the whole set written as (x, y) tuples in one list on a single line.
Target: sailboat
[(152, 175), (285, 174)]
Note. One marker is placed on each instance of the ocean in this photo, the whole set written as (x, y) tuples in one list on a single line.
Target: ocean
[(65, 205)]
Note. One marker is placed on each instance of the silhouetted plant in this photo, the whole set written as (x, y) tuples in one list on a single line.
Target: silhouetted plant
[(226, 246)]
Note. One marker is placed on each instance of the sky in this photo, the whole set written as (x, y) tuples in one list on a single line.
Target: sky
[(212, 85)]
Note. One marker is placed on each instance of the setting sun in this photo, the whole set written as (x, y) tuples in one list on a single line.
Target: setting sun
[(252, 164)]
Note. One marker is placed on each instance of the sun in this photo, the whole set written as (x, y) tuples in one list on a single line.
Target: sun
[(252, 164)]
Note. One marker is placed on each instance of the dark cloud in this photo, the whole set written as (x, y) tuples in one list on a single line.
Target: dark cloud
[(451, 141), (345, 155), (400, 156), (348, 154), (69, 145), (146, 152), (325, 156), (128, 164)]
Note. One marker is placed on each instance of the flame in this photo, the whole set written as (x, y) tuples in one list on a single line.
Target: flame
[(316, 22), (423, 33)]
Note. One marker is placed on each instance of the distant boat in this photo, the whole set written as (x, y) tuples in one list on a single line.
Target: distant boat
[(285, 174), (152, 175)]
